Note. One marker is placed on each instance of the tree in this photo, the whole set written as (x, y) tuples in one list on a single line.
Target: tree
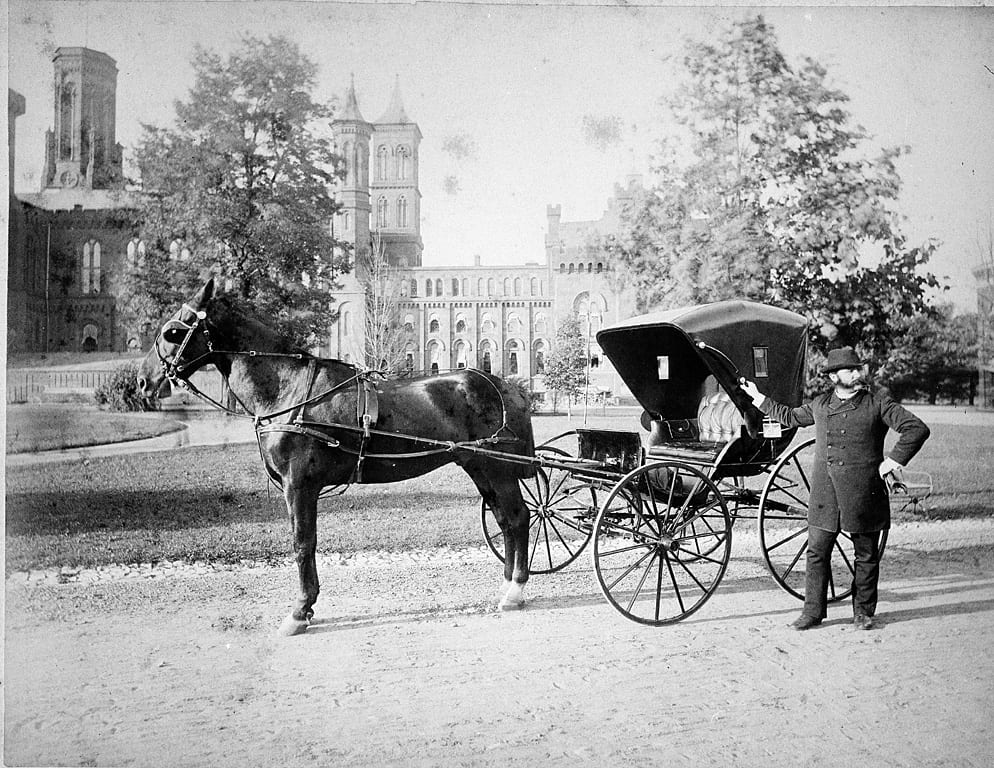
[(239, 187), (384, 338), (762, 193), (566, 365), (934, 358)]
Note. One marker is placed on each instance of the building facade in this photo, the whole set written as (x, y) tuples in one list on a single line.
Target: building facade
[(501, 319), (66, 239)]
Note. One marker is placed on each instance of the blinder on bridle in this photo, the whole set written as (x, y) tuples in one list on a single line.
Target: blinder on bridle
[(176, 331)]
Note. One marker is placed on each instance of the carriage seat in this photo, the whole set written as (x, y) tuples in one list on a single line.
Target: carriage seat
[(702, 439)]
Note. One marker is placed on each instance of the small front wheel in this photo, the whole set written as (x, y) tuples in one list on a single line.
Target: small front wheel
[(662, 541), (561, 510)]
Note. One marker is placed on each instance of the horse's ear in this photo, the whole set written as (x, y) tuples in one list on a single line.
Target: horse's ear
[(206, 294)]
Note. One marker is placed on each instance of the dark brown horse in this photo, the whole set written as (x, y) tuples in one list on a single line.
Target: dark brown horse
[(323, 423)]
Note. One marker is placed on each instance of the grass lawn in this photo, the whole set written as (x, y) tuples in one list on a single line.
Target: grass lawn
[(213, 503), (47, 427)]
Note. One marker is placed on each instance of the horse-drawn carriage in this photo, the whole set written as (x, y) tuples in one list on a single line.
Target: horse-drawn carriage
[(659, 512)]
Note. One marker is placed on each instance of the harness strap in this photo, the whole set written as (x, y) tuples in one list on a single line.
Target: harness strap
[(300, 429)]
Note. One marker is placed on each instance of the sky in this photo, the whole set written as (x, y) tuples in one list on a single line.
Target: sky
[(523, 106)]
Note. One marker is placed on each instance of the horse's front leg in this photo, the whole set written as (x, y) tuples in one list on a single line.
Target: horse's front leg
[(302, 504)]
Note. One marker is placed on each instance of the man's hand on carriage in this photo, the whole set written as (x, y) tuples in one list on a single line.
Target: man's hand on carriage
[(757, 397)]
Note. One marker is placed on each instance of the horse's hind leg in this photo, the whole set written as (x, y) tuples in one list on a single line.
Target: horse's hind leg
[(302, 504), (503, 495)]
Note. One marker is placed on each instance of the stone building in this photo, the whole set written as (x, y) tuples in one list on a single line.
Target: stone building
[(65, 240), (501, 319)]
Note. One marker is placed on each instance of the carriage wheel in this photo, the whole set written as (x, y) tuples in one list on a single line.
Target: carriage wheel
[(561, 511), (783, 527), (662, 541)]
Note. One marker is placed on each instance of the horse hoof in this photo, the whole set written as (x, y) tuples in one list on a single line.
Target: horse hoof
[(513, 599), (292, 626)]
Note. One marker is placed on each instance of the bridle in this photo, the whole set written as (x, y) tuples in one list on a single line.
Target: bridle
[(172, 369)]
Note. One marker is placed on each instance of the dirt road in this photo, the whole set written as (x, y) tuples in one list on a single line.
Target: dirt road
[(408, 664)]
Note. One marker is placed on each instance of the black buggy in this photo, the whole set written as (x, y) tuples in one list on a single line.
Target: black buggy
[(660, 506)]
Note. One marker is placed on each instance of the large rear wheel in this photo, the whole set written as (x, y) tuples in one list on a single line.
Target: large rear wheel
[(783, 527), (662, 540)]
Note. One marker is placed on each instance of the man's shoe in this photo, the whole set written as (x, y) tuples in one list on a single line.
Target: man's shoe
[(862, 621), (805, 622)]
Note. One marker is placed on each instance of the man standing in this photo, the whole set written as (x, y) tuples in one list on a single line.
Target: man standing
[(848, 491)]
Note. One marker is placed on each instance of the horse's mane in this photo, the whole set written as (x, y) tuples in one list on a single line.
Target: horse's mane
[(237, 318)]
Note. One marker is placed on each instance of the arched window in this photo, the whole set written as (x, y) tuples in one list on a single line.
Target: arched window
[(455, 286), (570, 270), (460, 323), (517, 286), (562, 267), (428, 287), (534, 286), (174, 250), (346, 322), (479, 287), (381, 212), (539, 349), (485, 357), (434, 355), (414, 287), (465, 286), (409, 323), (487, 326), (382, 156), (579, 268), (402, 211), (459, 348), (507, 286), (350, 162), (90, 272), (433, 325), (600, 267), (590, 267), (513, 324), (346, 222), (438, 287), (403, 289), (512, 358), (403, 162), (491, 286)]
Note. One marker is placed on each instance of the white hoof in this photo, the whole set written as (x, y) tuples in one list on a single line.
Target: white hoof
[(514, 598), (292, 626)]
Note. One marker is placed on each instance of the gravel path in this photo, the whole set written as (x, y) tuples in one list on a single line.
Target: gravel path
[(408, 663)]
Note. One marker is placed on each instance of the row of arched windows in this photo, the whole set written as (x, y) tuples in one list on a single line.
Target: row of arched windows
[(484, 287), (383, 210), (580, 268), (514, 325), (401, 165), (462, 356)]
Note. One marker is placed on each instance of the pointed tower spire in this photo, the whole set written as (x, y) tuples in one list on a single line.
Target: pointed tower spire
[(395, 113), (351, 109)]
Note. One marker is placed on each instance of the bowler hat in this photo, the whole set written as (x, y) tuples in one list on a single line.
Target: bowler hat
[(842, 357)]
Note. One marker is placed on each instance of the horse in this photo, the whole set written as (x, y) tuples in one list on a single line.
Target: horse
[(323, 424)]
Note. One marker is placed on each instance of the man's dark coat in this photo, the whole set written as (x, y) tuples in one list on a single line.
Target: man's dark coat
[(847, 491)]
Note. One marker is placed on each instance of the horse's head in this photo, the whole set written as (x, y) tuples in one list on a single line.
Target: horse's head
[(182, 345)]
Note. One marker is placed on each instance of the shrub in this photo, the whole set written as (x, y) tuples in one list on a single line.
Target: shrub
[(120, 392)]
